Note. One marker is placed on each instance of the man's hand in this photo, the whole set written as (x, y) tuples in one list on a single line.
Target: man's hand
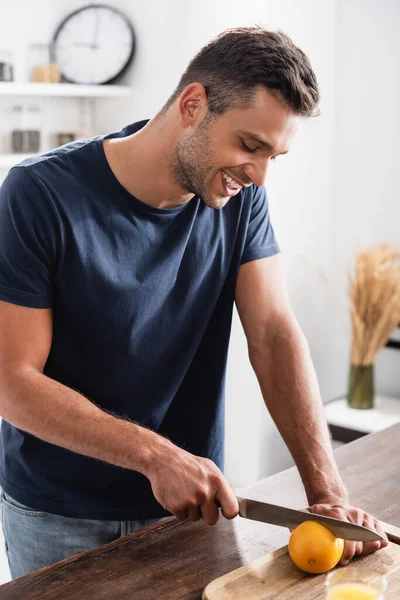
[(189, 486), (341, 509)]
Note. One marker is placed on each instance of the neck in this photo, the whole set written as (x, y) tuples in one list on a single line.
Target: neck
[(142, 164)]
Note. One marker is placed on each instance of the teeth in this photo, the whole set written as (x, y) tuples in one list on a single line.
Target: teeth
[(231, 183)]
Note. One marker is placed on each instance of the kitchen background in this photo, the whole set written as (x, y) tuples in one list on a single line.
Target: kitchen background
[(335, 191)]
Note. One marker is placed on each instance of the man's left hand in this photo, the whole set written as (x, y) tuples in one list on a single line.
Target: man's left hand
[(340, 509)]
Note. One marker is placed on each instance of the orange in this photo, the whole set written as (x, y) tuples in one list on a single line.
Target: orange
[(313, 548)]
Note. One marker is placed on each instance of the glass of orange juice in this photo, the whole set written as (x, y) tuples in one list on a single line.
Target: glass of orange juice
[(349, 583)]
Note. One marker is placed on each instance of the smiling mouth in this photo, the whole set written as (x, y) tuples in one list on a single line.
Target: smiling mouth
[(230, 182), (229, 186)]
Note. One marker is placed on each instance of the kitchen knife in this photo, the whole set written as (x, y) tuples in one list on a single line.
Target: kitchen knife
[(288, 517)]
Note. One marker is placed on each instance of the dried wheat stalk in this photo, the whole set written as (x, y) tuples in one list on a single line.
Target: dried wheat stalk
[(375, 301)]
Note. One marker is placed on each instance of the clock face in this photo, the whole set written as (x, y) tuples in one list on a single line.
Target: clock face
[(94, 44)]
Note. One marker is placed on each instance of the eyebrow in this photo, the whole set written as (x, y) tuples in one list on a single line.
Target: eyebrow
[(256, 138)]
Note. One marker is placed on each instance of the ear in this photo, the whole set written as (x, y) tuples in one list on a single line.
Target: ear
[(192, 105)]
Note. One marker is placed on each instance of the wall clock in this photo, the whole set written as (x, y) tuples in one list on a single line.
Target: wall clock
[(94, 44)]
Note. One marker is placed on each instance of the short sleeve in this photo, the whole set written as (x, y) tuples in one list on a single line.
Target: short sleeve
[(260, 237), (26, 242)]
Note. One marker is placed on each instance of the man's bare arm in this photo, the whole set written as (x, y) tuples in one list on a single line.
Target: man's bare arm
[(281, 360), (290, 389)]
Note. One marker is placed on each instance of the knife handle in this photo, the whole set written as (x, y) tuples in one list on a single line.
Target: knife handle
[(395, 539)]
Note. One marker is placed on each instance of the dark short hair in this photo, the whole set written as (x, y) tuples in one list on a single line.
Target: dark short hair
[(238, 61)]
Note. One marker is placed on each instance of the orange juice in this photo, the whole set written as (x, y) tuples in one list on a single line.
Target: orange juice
[(353, 591)]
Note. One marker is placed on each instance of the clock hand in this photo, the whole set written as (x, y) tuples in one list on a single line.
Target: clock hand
[(96, 30)]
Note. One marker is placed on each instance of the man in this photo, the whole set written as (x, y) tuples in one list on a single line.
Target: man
[(120, 261)]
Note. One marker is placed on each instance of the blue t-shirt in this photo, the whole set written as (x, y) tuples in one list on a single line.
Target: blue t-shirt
[(142, 302)]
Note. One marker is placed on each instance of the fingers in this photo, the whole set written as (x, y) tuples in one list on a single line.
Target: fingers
[(181, 515), (379, 529), (372, 523), (359, 517), (210, 513), (351, 548), (227, 499), (191, 487), (193, 513), (206, 510), (349, 551)]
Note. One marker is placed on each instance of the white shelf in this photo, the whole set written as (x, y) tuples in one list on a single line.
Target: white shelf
[(385, 413), (72, 90), (9, 160)]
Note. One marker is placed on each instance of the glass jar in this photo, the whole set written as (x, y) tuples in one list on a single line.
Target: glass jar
[(25, 136), (6, 67), (63, 138), (42, 65)]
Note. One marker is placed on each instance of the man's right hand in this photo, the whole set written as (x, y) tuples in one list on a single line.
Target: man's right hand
[(190, 487)]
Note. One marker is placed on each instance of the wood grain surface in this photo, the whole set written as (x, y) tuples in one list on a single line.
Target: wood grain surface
[(177, 560), (275, 576)]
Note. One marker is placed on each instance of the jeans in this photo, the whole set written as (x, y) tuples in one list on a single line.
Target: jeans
[(35, 539)]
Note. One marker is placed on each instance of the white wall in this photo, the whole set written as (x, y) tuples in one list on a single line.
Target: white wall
[(365, 205)]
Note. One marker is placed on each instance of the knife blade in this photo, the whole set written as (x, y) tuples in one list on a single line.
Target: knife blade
[(289, 517)]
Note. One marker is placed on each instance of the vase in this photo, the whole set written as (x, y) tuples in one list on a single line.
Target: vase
[(360, 392)]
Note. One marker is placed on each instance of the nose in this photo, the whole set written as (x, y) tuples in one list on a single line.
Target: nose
[(257, 171)]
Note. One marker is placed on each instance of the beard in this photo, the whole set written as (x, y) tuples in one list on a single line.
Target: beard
[(192, 165)]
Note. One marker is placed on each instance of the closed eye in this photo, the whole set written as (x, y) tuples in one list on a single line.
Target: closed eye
[(245, 147), (252, 150)]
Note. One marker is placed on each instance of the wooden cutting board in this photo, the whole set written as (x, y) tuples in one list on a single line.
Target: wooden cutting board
[(275, 576)]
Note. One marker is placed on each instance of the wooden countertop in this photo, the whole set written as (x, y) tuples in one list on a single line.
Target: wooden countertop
[(176, 560)]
